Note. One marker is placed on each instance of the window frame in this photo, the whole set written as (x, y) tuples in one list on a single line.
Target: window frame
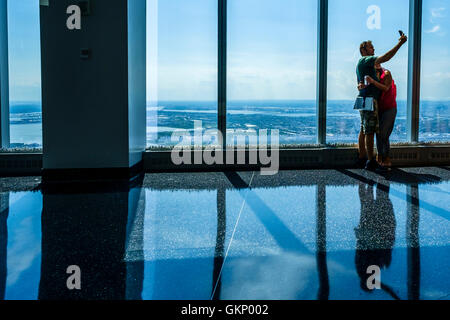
[(414, 70)]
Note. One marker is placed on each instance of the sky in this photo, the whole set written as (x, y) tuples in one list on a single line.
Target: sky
[(24, 50), (271, 48)]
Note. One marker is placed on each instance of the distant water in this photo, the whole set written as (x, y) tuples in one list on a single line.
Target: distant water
[(295, 120), (26, 124), (26, 134)]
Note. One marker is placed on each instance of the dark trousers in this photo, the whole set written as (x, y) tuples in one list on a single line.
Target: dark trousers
[(387, 121)]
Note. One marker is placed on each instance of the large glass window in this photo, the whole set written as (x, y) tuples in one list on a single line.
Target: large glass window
[(24, 73), (271, 68), (181, 68), (435, 75), (351, 23)]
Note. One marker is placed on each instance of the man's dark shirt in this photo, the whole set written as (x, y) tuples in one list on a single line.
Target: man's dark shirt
[(366, 67)]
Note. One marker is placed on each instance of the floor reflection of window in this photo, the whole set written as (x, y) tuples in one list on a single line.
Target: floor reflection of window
[(180, 242), (23, 251)]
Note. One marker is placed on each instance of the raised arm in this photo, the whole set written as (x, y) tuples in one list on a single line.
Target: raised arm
[(391, 53)]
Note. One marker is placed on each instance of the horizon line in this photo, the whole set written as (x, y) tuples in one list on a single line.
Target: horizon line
[(240, 100)]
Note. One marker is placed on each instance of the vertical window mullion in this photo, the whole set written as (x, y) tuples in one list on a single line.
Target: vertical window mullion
[(222, 71), (322, 59), (414, 65)]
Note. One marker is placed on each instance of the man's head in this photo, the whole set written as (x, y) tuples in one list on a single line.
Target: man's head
[(366, 48)]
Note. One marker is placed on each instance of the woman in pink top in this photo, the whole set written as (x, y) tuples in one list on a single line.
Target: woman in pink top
[(387, 105)]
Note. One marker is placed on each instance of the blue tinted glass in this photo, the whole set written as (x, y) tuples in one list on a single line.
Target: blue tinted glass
[(272, 68), (351, 23), (435, 77), (181, 67), (24, 73)]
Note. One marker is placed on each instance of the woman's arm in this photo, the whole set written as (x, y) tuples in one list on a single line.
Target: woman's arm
[(387, 82)]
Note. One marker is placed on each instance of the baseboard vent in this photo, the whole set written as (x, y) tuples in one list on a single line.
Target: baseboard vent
[(440, 155), (16, 163), (296, 160), (326, 158), (405, 156), (31, 163)]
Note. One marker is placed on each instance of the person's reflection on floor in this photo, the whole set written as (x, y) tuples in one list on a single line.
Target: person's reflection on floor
[(375, 233)]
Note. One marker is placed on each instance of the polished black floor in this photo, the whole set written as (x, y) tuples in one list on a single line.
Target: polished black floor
[(235, 235)]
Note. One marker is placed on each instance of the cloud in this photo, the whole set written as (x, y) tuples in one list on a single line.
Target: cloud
[(434, 29), (439, 76), (437, 12)]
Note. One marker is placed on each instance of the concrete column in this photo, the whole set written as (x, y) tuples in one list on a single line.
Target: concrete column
[(4, 87), (93, 85)]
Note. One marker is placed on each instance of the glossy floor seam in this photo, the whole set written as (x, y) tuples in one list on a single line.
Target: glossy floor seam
[(232, 235)]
